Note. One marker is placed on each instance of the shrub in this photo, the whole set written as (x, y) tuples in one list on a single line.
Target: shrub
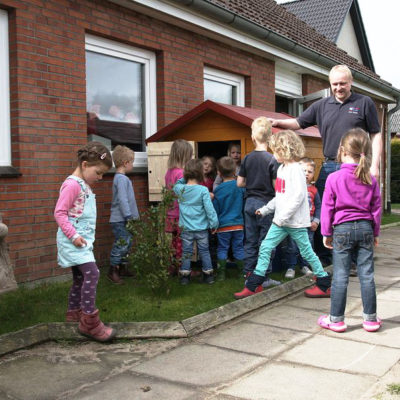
[(152, 252), (395, 172)]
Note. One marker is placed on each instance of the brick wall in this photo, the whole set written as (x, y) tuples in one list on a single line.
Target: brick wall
[(48, 108)]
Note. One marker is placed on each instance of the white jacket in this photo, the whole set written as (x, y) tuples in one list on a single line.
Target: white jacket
[(291, 199)]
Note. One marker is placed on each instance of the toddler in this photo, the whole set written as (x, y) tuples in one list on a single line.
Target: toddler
[(228, 203), (196, 216), (350, 223), (292, 214), (123, 209), (209, 171), (181, 153), (75, 214)]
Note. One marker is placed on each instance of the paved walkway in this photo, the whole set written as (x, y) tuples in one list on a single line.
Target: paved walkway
[(277, 352)]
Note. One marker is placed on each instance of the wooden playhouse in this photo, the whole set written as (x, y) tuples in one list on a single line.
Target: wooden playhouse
[(210, 127)]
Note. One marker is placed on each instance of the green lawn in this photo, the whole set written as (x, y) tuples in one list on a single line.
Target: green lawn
[(395, 205), (390, 218), (128, 302)]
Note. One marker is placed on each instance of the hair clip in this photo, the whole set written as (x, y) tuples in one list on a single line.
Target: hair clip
[(103, 156)]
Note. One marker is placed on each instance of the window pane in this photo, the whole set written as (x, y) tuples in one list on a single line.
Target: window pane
[(115, 100), (219, 92)]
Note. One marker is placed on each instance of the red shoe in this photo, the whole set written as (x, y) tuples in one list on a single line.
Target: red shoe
[(246, 292), (316, 292)]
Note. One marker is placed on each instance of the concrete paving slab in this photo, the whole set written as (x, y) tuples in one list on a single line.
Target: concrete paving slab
[(388, 271), (392, 293), (344, 355), (388, 309), (388, 335), (283, 381), (266, 341), (201, 365), (129, 386), (386, 280), (287, 316)]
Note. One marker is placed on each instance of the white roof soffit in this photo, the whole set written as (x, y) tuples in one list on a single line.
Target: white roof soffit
[(175, 12)]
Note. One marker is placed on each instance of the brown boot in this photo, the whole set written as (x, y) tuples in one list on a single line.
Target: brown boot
[(73, 315), (113, 275), (124, 271), (91, 327)]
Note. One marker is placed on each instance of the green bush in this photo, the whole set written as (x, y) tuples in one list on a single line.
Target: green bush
[(395, 172), (152, 252)]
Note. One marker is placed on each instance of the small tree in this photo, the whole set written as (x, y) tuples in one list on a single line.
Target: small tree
[(152, 252)]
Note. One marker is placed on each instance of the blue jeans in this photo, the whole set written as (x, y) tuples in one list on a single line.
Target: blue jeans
[(326, 169), (256, 229), (201, 237), (225, 239), (353, 238), (292, 252), (275, 235), (122, 243)]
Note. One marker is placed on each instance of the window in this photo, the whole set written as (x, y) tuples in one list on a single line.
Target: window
[(5, 130), (120, 95), (223, 87)]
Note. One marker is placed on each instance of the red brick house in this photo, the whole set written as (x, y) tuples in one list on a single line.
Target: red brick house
[(120, 70)]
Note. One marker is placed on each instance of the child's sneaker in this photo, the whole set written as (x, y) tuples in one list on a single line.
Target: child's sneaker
[(246, 292), (316, 292), (324, 321), (290, 273), (372, 326), (208, 278), (306, 271), (185, 279), (270, 282)]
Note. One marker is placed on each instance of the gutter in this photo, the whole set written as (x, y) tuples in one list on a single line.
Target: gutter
[(220, 14), (389, 156)]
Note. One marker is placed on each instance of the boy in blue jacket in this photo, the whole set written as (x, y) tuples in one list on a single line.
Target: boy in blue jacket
[(228, 204), (123, 209), (196, 216)]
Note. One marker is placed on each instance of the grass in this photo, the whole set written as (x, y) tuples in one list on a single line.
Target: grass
[(395, 205), (390, 218), (129, 302), (393, 388)]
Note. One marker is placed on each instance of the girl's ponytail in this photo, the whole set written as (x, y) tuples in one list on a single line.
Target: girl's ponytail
[(356, 142)]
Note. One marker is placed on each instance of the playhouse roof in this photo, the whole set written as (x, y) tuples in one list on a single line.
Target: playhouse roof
[(243, 115)]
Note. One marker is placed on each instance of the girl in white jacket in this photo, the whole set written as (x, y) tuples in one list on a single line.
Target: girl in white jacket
[(292, 214)]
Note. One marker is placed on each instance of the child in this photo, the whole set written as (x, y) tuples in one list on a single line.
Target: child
[(314, 202), (181, 153), (257, 174), (123, 209), (235, 153), (292, 214), (196, 216), (350, 223), (209, 171), (75, 214), (228, 203)]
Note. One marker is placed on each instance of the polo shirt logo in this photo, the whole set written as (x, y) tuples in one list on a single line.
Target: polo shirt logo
[(354, 110)]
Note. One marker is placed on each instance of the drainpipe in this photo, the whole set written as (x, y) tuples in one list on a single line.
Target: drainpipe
[(389, 155)]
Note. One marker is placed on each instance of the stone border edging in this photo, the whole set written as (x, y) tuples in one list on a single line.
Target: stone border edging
[(10, 342)]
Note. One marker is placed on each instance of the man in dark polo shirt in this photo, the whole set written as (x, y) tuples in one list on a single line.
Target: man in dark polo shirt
[(334, 116)]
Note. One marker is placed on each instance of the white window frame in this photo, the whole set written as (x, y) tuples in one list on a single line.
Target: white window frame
[(5, 125), (148, 59), (228, 79)]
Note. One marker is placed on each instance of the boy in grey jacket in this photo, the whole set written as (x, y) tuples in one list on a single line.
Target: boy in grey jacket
[(123, 209)]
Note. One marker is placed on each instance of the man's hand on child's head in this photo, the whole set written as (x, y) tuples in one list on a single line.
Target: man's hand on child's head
[(328, 242), (313, 226), (79, 242)]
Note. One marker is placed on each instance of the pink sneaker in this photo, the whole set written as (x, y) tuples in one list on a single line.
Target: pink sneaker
[(324, 321), (372, 326)]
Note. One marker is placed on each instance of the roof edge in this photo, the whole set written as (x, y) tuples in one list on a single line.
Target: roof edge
[(243, 24)]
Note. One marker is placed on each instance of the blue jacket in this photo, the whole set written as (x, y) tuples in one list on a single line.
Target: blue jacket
[(228, 203), (196, 212)]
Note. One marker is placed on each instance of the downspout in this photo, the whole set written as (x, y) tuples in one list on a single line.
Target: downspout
[(389, 155)]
